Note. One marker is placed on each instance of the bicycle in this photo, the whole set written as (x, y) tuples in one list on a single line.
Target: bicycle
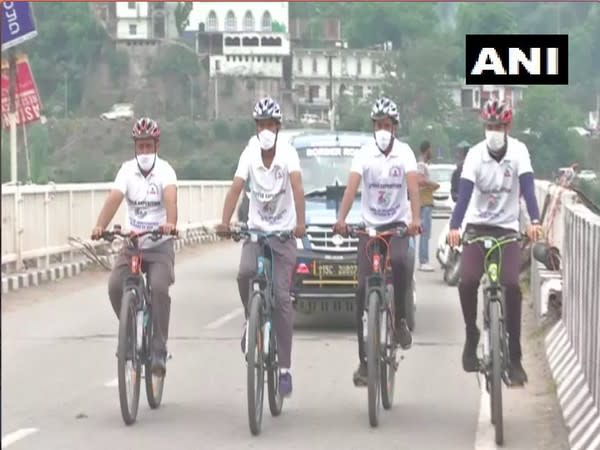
[(495, 360), (135, 330), (379, 326), (261, 343)]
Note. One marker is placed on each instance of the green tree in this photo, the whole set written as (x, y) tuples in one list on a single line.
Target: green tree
[(182, 15)]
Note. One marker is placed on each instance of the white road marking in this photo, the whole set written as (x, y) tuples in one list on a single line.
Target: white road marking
[(11, 438), (485, 437), (112, 383), (226, 318)]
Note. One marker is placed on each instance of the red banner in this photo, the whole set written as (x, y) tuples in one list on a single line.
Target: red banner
[(27, 99)]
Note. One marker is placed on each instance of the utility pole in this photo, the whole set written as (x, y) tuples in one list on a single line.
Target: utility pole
[(12, 73), (216, 95), (331, 107), (66, 94)]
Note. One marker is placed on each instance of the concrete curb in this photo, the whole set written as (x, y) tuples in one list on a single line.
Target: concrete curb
[(13, 282), (580, 414)]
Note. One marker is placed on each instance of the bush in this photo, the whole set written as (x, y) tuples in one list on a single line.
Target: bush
[(221, 129), (242, 130)]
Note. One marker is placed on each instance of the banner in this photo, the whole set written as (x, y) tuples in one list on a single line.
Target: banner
[(18, 24), (27, 98)]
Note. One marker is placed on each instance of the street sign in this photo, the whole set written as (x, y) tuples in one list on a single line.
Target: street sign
[(18, 24), (27, 99)]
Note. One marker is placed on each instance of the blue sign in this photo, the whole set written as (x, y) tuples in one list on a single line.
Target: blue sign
[(18, 24)]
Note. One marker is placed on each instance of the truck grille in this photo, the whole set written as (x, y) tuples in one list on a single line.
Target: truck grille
[(321, 240)]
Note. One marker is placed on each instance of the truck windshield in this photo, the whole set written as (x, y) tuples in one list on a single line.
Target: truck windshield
[(322, 167)]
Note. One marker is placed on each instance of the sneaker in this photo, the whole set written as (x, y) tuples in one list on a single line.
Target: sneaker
[(403, 336), (426, 268), (517, 374), (158, 365), (360, 375), (285, 384), (470, 360)]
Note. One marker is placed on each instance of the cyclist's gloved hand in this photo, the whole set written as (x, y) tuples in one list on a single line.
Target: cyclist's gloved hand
[(167, 228), (96, 233), (340, 227), (222, 230), (454, 238), (299, 230)]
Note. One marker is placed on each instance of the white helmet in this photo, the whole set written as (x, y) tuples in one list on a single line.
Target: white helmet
[(267, 108), (384, 107)]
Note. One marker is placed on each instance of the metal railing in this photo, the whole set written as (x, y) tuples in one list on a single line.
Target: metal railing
[(575, 231), (37, 220)]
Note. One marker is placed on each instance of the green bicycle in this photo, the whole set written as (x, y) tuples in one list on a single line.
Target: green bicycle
[(495, 362)]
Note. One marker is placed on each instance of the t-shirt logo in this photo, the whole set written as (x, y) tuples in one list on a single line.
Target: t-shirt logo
[(492, 201), (383, 198), (278, 173), (269, 207), (152, 189), (140, 213), (507, 172), (395, 171)]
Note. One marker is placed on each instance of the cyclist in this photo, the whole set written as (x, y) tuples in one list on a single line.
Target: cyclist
[(387, 169), (495, 172), (276, 204), (149, 185)]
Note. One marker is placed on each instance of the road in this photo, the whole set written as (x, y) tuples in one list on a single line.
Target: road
[(59, 376)]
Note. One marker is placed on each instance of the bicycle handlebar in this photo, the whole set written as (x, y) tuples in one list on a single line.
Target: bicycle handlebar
[(155, 234), (239, 232), (398, 229), (498, 241)]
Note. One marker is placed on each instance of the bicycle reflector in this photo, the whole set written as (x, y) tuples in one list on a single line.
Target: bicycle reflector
[(376, 263)]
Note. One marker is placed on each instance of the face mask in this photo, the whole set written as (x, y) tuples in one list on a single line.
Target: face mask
[(146, 161), (383, 139), (494, 140), (266, 139)]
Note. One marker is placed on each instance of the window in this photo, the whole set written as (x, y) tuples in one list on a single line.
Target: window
[(248, 21), (227, 58), (300, 68), (212, 24), (132, 30), (358, 67), (266, 22), (313, 93), (300, 90), (358, 91), (344, 66), (373, 68), (131, 5), (315, 66), (328, 92), (466, 98), (217, 65), (230, 22)]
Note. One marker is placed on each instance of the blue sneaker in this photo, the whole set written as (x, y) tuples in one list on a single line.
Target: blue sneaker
[(285, 384)]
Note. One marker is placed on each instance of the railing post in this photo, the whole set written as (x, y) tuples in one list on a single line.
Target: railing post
[(47, 226), (18, 205), (71, 253)]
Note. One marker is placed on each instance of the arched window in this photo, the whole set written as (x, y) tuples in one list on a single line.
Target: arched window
[(266, 22), (212, 24), (230, 22), (248, 21)]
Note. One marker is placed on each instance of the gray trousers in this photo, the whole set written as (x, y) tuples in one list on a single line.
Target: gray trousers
[(402, 272), (284, 260), (159, 264)]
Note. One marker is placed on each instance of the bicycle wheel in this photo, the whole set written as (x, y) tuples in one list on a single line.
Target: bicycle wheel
[(255, 364), (154, 383), (275, 398), (129, 364), (496, 376), (388, 364), (373, 357)]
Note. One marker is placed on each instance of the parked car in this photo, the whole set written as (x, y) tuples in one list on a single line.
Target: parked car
[(442, 200), (119, 111)]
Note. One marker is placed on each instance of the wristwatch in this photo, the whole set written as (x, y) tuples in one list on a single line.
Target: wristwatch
[(535, 222)]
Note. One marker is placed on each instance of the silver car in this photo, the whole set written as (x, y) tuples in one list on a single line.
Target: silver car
[(442, 200)]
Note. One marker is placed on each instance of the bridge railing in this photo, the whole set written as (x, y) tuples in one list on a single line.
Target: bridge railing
[(37, 220), (575, 231)]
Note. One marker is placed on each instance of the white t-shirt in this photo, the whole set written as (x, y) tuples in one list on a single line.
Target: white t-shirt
[(144, 195), (272, 205), (495, 199), (384, 191)]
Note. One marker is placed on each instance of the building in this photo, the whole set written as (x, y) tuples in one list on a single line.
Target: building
[(316, 72), (145, 21), (473, 96), (239, 16)]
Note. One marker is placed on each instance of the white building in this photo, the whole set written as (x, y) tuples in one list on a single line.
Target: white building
[(142, 21), (238, 16), (474, 96), (355, 72)]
